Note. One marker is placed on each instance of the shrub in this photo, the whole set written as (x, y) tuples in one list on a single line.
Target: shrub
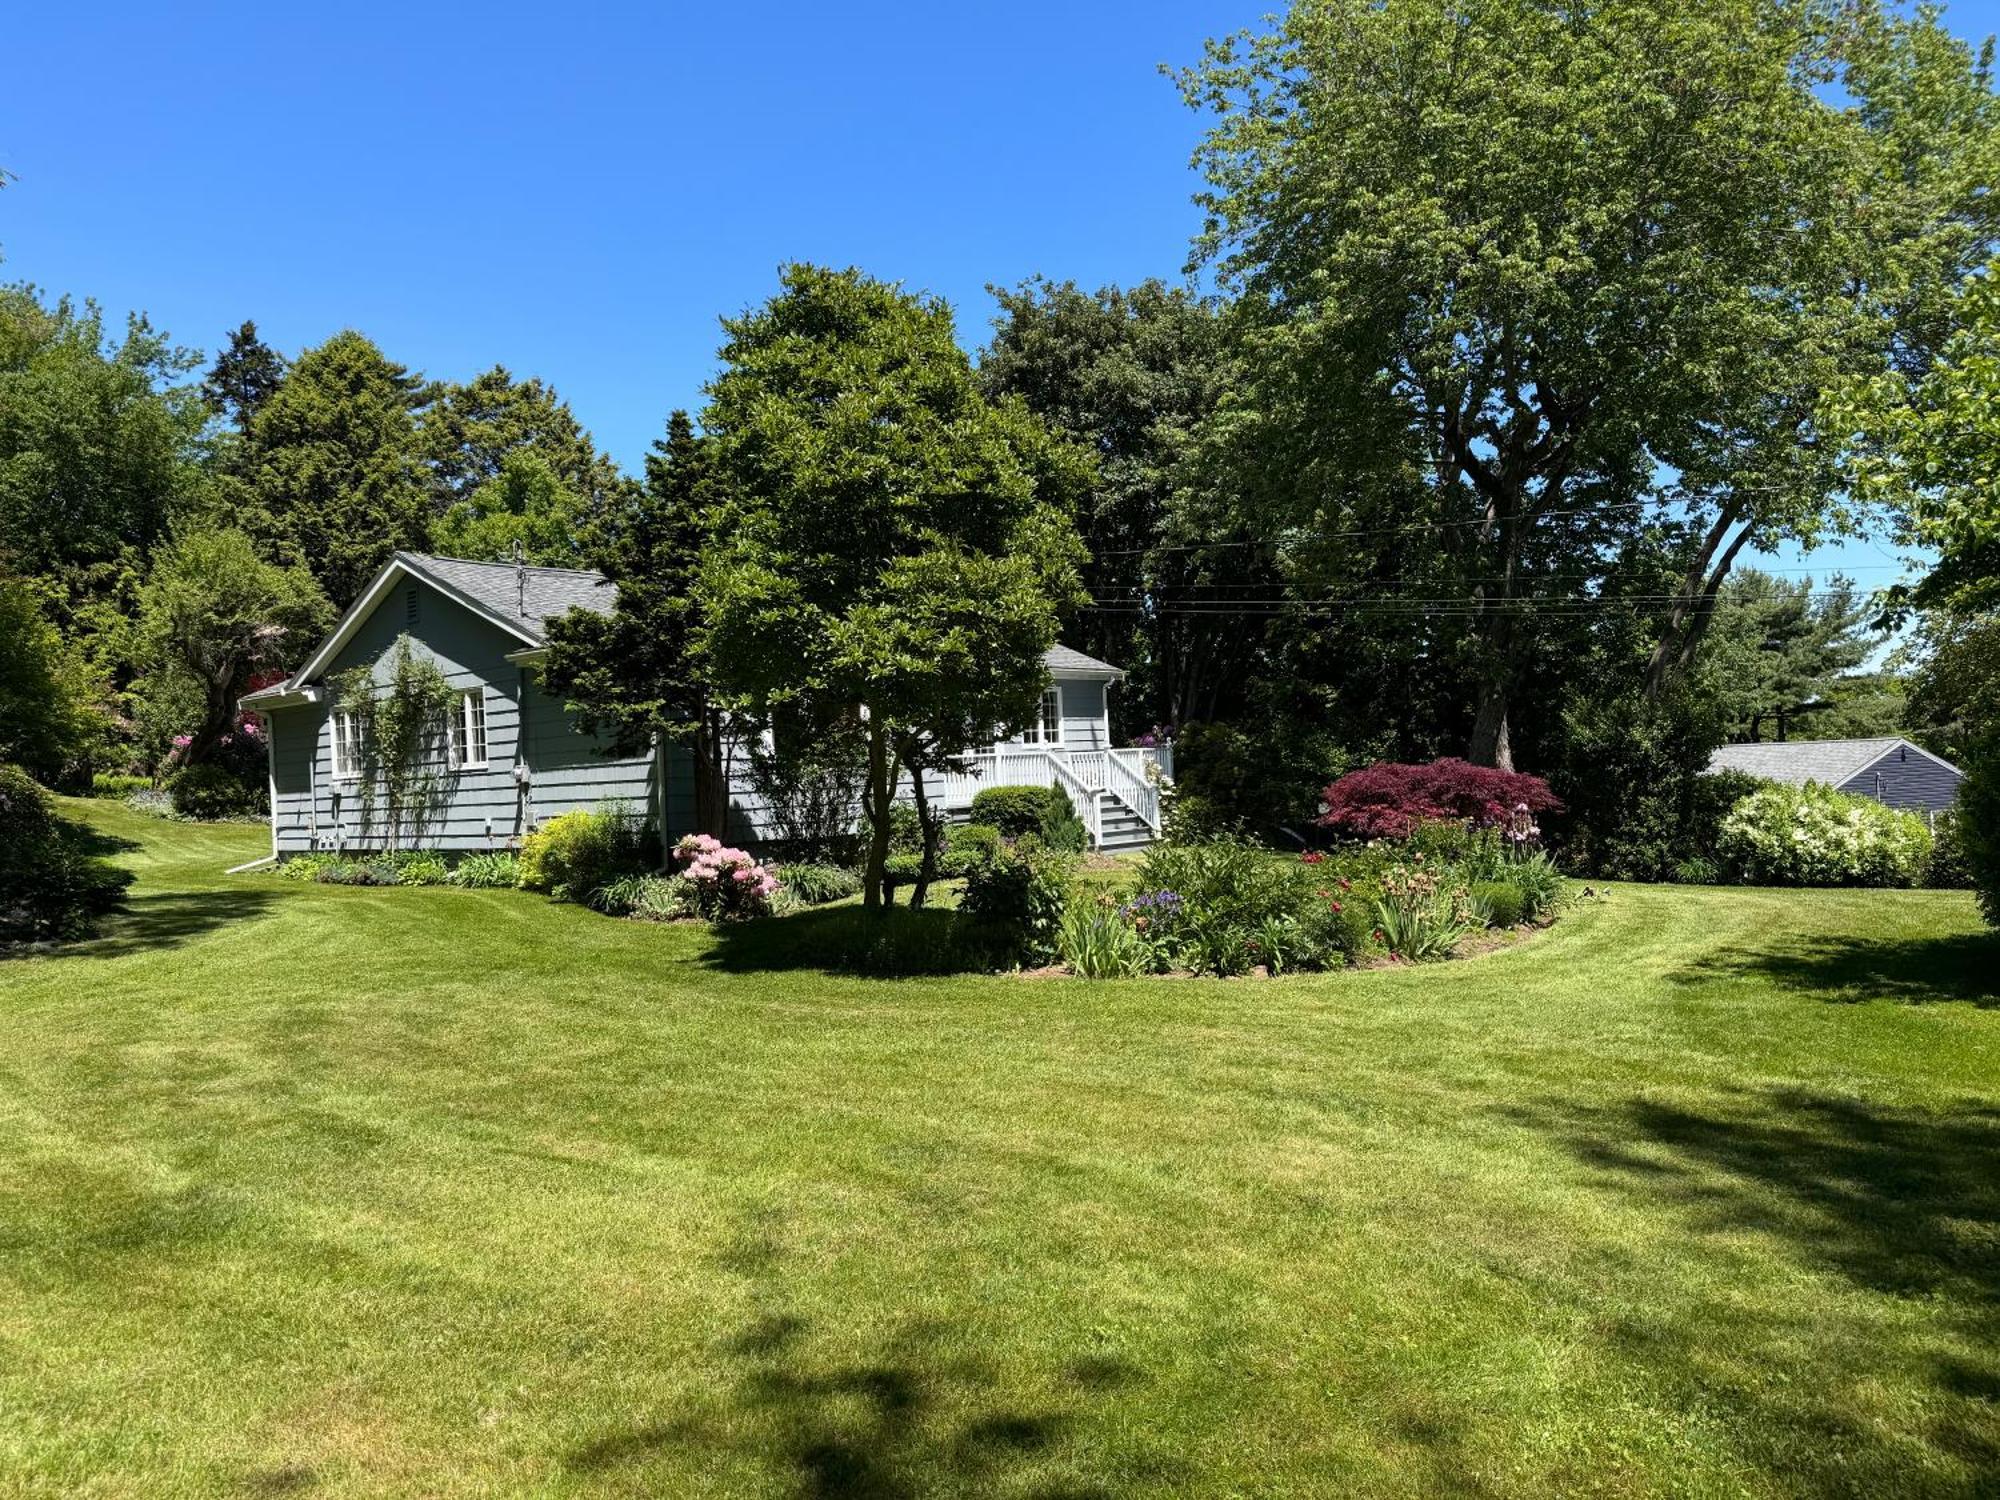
[(1188, 817), (817, 884), (1061, 827), (483, 872), (1633, 773), (665, 898), (1814, 835), (1012, 908), (307, 866), (1389, 800), (1098, 941), (727, 883), (1261, 779), (108, 784), (419, 867), (208, 792), (1978, 828), (52, 885), (1208, 903), (1697, 871), (1421, 916), (357, 872), (1336, 928), (968, 846), (1946, 870), (1014, 810), (1499, 903), (570, 856), (1713, 798), (1476, 853)]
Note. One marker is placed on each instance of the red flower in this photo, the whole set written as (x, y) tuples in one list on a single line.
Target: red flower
[(1346, 884), (1333, 906), (1311, 857)]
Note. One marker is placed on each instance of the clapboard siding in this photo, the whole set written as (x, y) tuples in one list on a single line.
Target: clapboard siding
[(1086, 723), (485, 807), (1909, 779)]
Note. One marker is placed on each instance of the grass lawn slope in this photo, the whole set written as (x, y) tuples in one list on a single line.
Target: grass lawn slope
[(311, 1190)]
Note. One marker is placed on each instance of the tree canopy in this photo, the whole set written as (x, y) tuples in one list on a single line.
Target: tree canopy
[(889, 539)]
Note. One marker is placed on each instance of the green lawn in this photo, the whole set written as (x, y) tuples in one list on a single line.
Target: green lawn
[(322, 1191)]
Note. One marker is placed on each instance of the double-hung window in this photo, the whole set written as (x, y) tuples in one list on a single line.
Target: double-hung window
[(468, 731), (1046, 728), (346, 746)]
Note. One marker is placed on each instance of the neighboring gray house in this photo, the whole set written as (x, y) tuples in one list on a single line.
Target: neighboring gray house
[(1890, 769), (516, 758)]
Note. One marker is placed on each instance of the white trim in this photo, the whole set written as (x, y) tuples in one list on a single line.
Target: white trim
[(529, 656), (357, 614), (271, 779), (1045, 730), (337, 720), (269, 698), (462, 722)]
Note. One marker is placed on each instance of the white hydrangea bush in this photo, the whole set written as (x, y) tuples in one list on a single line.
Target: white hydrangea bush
[(1814, 835)]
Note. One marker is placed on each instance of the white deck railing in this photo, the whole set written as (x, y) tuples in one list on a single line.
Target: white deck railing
[(1132, 776)]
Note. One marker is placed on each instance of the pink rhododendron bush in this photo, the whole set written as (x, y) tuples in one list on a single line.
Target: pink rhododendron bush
[(1391, 801), (726, 882)]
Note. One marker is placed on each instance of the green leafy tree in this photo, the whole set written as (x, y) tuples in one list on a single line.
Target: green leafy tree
[(891, 541), (49, 716), (213, 614), (99, 440), (1132, 376), (337, 475), (1536, 275), (524, 506), (642, 671)]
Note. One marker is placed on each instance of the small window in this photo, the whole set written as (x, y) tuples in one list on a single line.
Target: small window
[(346, 747), (1047, 730), (468, 731)]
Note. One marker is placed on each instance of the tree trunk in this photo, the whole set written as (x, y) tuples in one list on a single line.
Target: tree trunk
[(927, 866), (1687, 624), (1492, 745), (711, 780), (880, 789)]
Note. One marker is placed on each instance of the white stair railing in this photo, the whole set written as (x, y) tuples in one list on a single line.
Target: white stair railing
[(1089, 804), (1125, 778)]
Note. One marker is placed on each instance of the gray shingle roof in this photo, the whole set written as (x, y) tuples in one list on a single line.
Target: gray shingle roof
[(529, 598), (1066, 659), (556, 591), (1829, 762)]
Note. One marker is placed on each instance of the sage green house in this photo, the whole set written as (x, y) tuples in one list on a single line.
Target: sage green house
[(514, 757)]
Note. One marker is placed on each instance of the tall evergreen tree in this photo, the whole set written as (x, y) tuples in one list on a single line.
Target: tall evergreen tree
[(641, 671), (243, 377), (337, 474)]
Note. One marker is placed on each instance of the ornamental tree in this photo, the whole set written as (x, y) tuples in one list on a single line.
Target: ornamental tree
[(890, 542), (1388, 800), (212, 615)]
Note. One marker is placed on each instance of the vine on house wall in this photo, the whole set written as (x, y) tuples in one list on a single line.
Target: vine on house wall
[(402, 726)]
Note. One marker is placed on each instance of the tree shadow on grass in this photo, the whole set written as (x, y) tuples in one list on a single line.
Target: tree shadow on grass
[(1847, 970), (896, 943), (1902, 1203), (170, 919), (916, 1415)]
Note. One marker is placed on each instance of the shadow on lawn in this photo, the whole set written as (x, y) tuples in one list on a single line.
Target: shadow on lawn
[(170, 919), (896, 943), (1903, 1203), (1916, 971), (917, 1416)]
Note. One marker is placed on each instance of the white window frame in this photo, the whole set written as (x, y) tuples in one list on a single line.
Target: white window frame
[(469, 714), (1046, 729), (346, 746)]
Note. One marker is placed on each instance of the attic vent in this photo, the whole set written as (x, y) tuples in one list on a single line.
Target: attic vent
[(410, 604)]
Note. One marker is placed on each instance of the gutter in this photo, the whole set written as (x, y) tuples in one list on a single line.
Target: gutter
[(269, 859)]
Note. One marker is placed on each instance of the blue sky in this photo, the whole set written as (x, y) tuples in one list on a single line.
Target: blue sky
[(579, 191)]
